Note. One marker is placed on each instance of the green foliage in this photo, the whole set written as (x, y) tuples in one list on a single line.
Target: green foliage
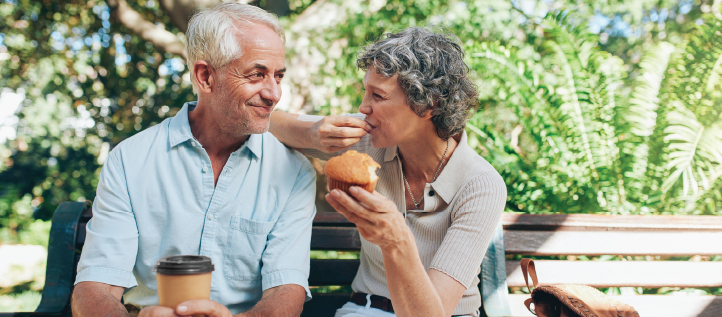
[(22, 302), (611, 154), (88, 85), (568, 99)]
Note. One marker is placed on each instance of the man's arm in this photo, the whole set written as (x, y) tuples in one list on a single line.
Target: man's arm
[(97, 299), (110, 249), (283, 301)]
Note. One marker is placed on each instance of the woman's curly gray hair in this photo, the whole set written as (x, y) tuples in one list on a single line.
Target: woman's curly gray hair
[(431, 72)]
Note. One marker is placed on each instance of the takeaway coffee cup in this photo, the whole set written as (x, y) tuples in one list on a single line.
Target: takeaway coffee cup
[(183, 277)]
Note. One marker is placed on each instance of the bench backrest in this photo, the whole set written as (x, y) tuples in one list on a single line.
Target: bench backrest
[(654, 237), (649, 247)]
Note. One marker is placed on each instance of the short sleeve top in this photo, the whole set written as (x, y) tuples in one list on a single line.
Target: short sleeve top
[(461, 211)]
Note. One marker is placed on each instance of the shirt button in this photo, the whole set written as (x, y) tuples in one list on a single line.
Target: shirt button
[(210, 217), (205, 169), (193, 144), (431, 193)]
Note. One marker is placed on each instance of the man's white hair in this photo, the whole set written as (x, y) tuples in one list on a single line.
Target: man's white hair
[(211, 34)]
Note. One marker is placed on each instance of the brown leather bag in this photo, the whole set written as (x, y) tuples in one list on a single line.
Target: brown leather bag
[(570, 300)]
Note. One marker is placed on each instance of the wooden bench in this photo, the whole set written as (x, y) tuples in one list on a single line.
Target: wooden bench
[(533, 235), (331, 231), (624, 236), (569, 235)]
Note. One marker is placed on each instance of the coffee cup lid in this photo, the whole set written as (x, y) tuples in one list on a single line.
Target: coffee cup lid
[(183, 265)]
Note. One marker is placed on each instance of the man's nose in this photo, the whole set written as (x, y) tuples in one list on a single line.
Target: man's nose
[(271, 90)]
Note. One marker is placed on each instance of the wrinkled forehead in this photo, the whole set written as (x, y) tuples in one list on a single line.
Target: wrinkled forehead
[(254, 34), (376, 80)]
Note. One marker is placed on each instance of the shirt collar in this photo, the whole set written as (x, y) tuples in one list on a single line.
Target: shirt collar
[(390, 153), (180, 128), (180, 131), (453, 175)]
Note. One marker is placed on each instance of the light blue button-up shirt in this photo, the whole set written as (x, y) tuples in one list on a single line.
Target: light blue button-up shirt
[(156, 198)]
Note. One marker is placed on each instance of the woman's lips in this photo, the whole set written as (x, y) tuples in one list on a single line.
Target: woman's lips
[(373, 127)]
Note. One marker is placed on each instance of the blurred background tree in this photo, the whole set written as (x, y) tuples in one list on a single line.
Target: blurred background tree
[(586, 106), (560, 82)]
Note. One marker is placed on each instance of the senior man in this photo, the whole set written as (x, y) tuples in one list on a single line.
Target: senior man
[(208, 181)]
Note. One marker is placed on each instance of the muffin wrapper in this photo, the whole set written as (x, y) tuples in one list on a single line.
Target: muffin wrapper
[(335, 184)]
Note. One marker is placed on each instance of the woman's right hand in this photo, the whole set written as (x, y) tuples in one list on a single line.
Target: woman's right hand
[(337, 133)]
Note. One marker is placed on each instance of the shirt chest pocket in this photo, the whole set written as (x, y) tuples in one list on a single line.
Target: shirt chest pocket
[(244, 249)]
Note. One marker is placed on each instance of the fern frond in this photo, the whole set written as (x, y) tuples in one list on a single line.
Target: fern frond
[(642, 112), (695, 151)]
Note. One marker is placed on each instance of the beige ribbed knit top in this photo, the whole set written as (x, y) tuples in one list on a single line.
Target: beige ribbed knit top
[(455, 227)]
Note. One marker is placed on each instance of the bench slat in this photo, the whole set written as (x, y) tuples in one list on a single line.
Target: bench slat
[(324, 305), (333, 219), (649, 305), (666, 243), (608, 222), (332, 272), (648, 274), (335, 238)]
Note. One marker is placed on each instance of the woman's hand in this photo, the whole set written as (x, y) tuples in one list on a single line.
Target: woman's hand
[(337, 133), (376, 217)]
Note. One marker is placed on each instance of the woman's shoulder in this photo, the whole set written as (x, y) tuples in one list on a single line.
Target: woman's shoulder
[(479, 174)]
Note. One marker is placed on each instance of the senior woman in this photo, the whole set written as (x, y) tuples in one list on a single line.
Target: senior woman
[(427, 226)]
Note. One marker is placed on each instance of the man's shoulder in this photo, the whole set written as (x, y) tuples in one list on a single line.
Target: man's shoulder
[(279, 151), (145, 140)]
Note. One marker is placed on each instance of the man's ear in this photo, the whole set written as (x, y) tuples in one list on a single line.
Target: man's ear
[(205, 77)]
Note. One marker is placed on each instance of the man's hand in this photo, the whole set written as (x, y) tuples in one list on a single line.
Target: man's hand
[(337, 133), (200, 307)]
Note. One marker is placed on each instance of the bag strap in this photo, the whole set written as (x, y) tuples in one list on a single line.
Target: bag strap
[(527, 302), (527, 266)]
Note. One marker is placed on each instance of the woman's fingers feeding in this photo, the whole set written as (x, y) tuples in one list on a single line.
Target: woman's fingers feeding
[(346, 132)]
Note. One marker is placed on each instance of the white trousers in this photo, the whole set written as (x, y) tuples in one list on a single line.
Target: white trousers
[(353, 310)]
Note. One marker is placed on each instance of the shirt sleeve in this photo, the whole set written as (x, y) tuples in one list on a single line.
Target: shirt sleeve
[(362, 146), (111, 242), (473, 223), (286, 259)]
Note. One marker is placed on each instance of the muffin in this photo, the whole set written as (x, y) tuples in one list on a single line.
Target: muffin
[(351, 169)]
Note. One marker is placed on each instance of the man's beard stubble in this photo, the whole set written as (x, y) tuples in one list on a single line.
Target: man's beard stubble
[(241, 120)]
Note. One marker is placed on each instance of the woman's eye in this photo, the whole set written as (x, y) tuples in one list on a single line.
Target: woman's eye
[(377, 96)]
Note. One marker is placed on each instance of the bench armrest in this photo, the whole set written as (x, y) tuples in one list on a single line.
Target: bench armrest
[(61, 262)]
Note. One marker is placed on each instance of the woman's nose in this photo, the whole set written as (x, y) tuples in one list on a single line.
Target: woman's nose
[(365, 108)]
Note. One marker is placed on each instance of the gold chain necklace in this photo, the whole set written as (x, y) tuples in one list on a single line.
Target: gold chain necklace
[(416, 205)]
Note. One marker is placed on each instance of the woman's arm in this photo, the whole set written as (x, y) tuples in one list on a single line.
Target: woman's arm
[(330, 134), (414, 291)]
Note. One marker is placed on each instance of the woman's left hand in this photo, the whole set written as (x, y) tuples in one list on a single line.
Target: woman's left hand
[(376, 217)]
